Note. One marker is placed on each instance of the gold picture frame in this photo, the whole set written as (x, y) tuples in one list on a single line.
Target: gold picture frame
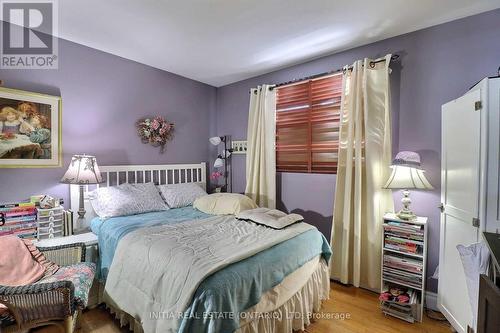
[(30, 129)]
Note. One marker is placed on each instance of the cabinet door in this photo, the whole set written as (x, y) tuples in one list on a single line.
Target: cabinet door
[(460, 195), (489, 306), (492, 221)]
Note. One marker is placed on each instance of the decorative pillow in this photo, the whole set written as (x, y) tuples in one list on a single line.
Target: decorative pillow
[(126, 199), (181, 195), (271, 218), (50, 267), (17, 266), (224, 203)]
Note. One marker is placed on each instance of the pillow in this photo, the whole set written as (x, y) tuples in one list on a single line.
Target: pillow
[(224, 203), (126, 199), (17, 266), (272, 218), (181, 195)]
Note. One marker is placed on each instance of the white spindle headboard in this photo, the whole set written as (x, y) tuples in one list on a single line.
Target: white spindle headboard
[(120, 174)]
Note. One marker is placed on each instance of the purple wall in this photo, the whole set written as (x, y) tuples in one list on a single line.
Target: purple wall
[(103, 95), (436, 65)]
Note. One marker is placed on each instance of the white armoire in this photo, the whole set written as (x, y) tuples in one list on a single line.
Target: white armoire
[(469, 190)]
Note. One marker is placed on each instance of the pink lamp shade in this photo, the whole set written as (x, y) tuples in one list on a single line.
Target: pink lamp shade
[(83, 169)]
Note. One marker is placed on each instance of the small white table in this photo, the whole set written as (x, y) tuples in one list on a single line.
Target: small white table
[(88, 238)]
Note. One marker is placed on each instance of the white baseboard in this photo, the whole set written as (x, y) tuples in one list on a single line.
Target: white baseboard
[(431, 300)]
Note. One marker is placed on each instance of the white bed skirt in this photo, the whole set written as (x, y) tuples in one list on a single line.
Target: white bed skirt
[(296, 311), (292, 313)]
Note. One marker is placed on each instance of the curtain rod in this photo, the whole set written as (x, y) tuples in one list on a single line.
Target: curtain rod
[(394, 57)]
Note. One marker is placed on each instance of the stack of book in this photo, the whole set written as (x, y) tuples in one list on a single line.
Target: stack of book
[(19, 219), (403, 270), (68, 222), (403, 244), (399, 302), (407, 238)]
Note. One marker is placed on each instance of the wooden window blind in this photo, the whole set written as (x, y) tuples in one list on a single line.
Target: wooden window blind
[(307, 125)]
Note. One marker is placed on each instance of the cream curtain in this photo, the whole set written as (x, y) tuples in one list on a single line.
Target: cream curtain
[(261, 156), (364, 160)]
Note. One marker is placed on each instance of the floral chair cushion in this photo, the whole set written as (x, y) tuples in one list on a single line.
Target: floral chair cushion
[(82, 276)]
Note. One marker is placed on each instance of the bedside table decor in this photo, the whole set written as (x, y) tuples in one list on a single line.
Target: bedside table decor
[(404, 259), (407, 174), (83, 170)]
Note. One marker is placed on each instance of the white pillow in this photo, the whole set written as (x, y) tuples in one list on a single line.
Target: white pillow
[(272, 218), (126, 199), (224, 203), (181, 195)]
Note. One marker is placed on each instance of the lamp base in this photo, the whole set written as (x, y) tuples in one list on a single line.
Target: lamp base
[(81, 209), (405, 213)]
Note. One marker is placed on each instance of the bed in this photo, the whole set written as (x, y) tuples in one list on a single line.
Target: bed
[(182, 270)]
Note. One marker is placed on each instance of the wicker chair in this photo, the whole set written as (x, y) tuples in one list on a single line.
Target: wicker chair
[(41, 304)]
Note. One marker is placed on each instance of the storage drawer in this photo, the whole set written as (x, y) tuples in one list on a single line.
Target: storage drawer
[(55, 217), (48, 235), (50, 212), (50, 223)]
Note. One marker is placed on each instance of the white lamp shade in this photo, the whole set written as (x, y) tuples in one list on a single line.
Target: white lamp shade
[(219, 163), (83, 169), (404, 177), (226, 153), (215, 140)]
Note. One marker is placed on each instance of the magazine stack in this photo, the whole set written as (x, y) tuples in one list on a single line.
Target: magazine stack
[(404, 254), (18, 219)]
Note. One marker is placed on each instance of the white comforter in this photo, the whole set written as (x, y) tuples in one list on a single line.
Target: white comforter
[(156, 271)]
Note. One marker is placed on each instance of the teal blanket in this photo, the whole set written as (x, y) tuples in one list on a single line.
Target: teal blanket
[(110, 231), (231, 290)]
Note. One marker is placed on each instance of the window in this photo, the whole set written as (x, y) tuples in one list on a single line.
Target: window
[(307, 125)]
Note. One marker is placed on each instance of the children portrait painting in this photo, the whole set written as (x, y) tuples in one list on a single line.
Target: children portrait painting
[(30, 131)]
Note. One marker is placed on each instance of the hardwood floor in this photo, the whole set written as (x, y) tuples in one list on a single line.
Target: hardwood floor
[(360, 305)]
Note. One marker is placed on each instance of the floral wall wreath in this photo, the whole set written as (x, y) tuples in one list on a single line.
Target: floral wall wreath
[(155, 131)]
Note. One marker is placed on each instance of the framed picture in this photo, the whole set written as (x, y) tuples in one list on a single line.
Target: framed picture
[(30, 129)]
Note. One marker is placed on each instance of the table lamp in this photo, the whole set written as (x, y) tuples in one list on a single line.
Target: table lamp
[(407, 174), (83, 170)]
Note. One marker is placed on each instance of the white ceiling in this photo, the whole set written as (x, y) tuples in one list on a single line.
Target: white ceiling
[(223, 41)]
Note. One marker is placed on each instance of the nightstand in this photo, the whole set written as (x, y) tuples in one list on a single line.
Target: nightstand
[(91, 255)]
